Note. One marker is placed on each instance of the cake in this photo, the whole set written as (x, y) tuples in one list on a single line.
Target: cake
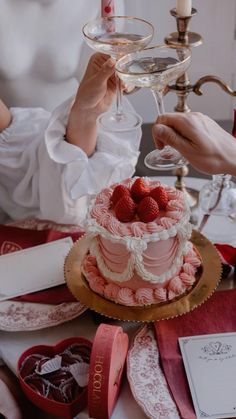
[(139, 252)]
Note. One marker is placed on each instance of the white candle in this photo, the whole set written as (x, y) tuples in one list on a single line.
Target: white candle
[(183, 7)]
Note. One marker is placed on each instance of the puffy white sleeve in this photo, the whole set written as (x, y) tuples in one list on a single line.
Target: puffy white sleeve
[(43, 176), (66, 169)]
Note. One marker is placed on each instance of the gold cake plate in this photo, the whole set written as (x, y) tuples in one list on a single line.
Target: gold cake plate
[(208, 278)]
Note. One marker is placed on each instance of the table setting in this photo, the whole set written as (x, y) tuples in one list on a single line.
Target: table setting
[(42, 308), (63, 320), (78, 354)]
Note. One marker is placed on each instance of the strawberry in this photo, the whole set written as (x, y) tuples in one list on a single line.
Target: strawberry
[(139, 189), (119, 192), (159, 194), (125, 209), (147, 209)]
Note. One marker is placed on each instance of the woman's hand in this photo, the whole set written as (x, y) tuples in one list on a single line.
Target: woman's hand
[(97, 88), (94, 97), (5, 116), (207, 146)]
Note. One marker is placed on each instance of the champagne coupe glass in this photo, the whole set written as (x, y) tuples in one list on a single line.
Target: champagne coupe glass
[(117, 36), (155, 68), (218, 198)]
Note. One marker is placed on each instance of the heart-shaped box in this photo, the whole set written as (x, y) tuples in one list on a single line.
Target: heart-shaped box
[(65, 410), (107, 360)]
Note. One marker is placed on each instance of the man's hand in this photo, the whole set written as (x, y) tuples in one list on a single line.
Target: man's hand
[(208, 147)]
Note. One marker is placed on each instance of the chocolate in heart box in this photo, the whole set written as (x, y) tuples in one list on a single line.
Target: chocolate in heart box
[(54, 387)]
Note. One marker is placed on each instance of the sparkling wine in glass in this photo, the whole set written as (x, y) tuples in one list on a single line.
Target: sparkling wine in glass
[(155, 68), (118, 36)]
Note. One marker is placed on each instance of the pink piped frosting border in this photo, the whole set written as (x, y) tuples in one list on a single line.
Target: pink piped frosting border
[(176, 286), (102, 214)]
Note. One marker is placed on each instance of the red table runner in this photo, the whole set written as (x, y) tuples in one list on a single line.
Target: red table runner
[(216, 315)]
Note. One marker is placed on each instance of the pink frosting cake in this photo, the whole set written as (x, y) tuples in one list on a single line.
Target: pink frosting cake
[(138, 263)]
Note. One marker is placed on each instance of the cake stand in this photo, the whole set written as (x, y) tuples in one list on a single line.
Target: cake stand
[(207, 280)]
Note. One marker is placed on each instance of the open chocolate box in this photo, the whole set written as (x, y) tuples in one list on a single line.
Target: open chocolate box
[(63, 379)]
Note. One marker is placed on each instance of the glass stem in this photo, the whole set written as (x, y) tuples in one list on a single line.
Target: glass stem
[(219, 181), (119, 95), (158, 96)]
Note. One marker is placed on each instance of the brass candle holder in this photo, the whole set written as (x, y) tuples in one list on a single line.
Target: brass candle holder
[(183, 87)]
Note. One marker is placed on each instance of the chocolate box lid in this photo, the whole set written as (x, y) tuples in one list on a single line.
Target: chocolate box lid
[(107, 361)]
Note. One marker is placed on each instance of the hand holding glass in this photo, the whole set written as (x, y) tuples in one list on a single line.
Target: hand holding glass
[(117, 36), (155, 68)]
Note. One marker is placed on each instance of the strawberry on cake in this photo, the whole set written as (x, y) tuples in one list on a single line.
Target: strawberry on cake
[(139, 249)]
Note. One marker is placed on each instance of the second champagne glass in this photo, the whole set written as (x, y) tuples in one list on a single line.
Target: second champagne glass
[(217, 206), (155, 68), (117, 36)]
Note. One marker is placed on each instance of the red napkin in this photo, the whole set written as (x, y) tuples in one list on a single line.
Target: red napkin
[(228, 253), (16, 238), (55, 295), (216, 315)]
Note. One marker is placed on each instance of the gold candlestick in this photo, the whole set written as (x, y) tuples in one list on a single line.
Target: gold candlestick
[(183, 36), (183, 87)]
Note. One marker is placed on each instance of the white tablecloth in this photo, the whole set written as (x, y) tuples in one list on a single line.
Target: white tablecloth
[(12, 344)]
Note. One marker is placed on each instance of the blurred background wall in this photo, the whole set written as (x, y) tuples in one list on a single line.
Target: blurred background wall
[(216, 23)]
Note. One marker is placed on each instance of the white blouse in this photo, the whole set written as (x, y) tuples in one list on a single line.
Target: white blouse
[(43, 176), (42, 49), (43, 57)]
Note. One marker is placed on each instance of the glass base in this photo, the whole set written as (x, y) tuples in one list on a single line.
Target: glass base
[(219, 228), (110, 121), (166, 159)]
